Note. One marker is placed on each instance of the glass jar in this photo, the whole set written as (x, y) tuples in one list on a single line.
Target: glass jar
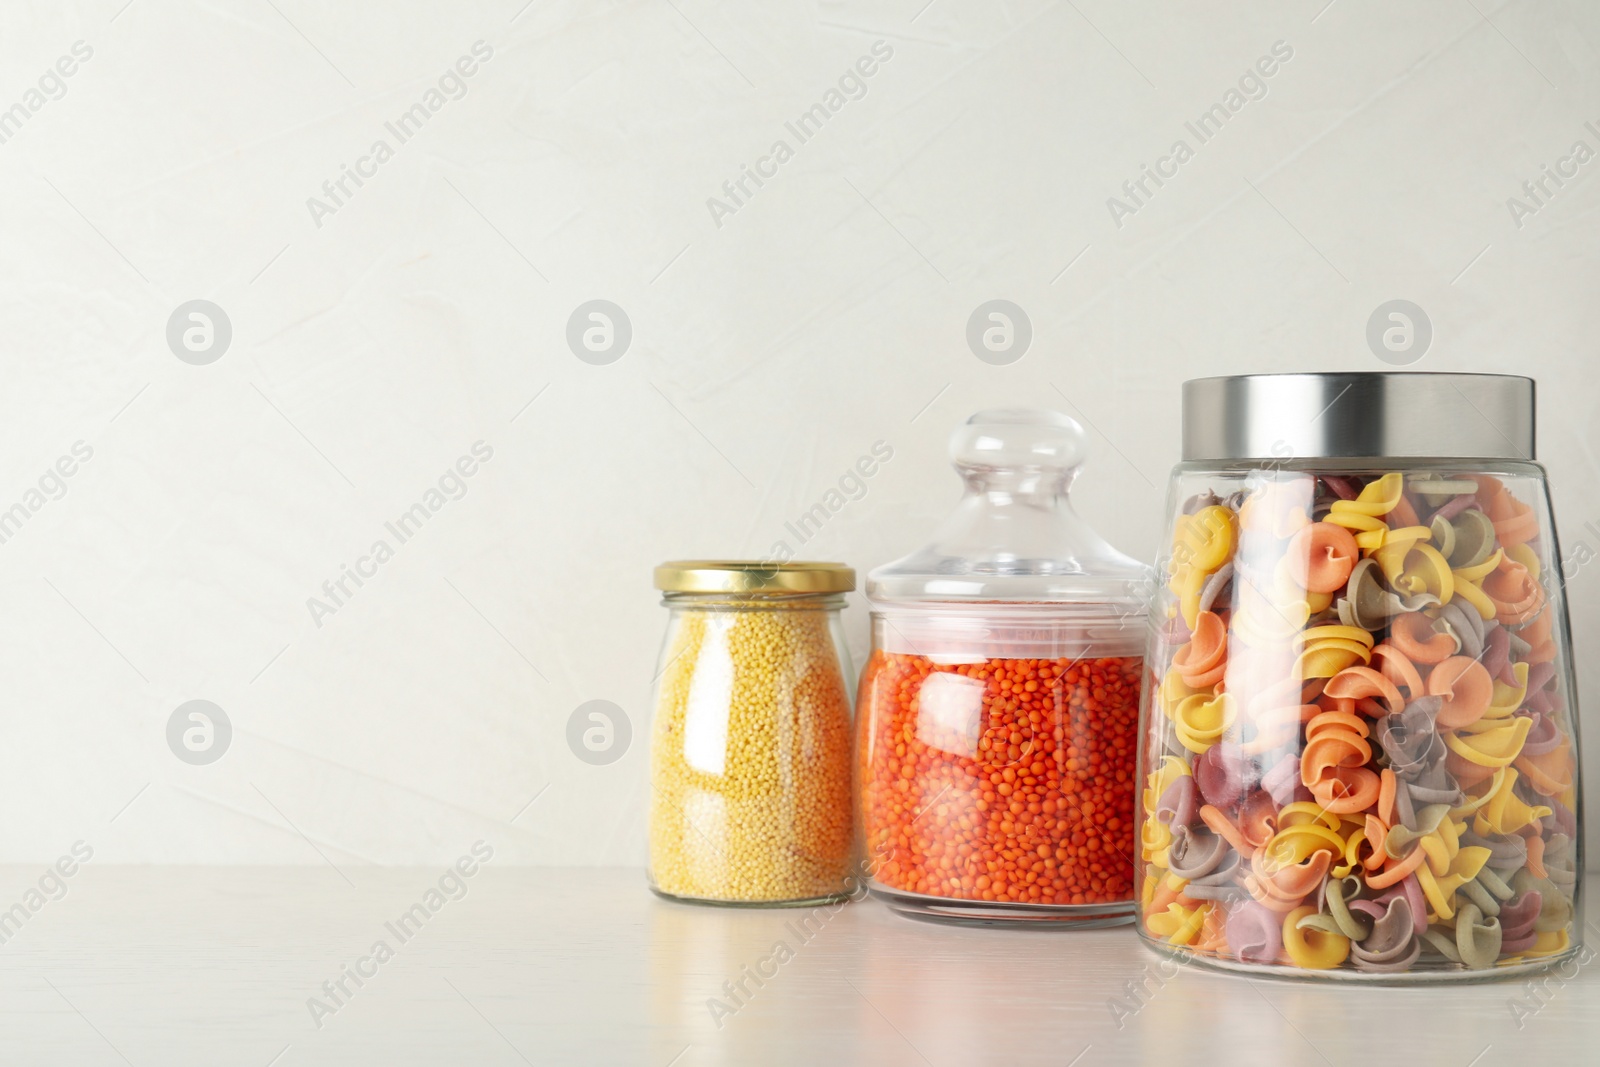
[(1359, 739), (750, 746), (997, 715)]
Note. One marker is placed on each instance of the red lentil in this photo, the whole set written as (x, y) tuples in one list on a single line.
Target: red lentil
[(1030, 802)]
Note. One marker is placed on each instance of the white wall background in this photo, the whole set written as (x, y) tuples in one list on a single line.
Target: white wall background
[(827, 313)]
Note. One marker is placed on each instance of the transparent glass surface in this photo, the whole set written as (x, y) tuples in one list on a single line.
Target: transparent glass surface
[(750, 752), (997, 719), (1358, 753)]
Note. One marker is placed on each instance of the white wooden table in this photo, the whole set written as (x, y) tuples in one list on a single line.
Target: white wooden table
[(173, 966)]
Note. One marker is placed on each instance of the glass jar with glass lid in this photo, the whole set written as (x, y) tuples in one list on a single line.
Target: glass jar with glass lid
[(997, 719)]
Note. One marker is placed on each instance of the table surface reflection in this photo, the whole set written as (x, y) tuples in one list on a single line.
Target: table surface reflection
[(283, 967)]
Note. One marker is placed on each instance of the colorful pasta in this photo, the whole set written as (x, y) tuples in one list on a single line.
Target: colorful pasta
[(1361, 741)]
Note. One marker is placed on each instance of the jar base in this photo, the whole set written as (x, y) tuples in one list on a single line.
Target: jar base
[(711, 902), (1280, 973), (956, 912)]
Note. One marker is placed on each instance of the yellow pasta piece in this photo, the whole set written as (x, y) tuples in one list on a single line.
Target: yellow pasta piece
[(1200, 720), (1178, 924), (1503, 811), (1491, 748), (1508, 698), (1295, 844), (1310, 948), (1302, 812)]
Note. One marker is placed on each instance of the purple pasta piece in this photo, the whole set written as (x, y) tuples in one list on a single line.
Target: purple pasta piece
[(1200, 501), (1544, 736), (1213, 589), (1343, 488), (1225, 892), (1543, 694), (1496, 657), (1224, 775), (1397, 962), (1403, 808), (1468, 627), (1223, 876), (1196, 852), (1455, 506), (1565, 821), (1426, 795), (1393, 944), (1540, 675), (1518, 933), (1410, 739), (1504, 850), (1179, 804), (1408, 890), (1254, 934), (1518, 915), (1413, 893), (1510, 945)]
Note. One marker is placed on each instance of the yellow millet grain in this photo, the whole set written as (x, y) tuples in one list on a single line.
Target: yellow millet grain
[(750, 759)]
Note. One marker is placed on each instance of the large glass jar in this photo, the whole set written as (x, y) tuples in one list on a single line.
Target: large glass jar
[(1359, 755), (750, 746), (997, 716)]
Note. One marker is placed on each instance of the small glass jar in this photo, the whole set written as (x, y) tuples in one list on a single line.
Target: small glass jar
[(998, 714), (750, 746), (1359, 750)]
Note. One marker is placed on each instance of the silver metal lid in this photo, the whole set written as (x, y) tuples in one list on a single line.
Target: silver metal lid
[(1358, 415)]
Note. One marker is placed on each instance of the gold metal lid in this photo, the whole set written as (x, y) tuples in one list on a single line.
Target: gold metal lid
[(753, 577)]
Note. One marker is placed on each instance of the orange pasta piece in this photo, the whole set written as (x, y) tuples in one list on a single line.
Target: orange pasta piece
[(1321, 556), (1514, 522), (1203, 660), (1347, 790), (1490, 489), (1466, 688), (1331, 765), (1259, 820), (1283, 889), (1517, 594), (1213, 932), (1165, 894), (1413, 634), (1537, 633), (1377, 833), (1550, 774), (1536, 854), (1466, 773), (1518, 530), (1338, 721), (1403, 515), (1357, 682), (1223, 827), (1397, 870), (1393, 665)]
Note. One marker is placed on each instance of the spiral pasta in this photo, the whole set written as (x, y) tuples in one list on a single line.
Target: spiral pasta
[(1365, 747)]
